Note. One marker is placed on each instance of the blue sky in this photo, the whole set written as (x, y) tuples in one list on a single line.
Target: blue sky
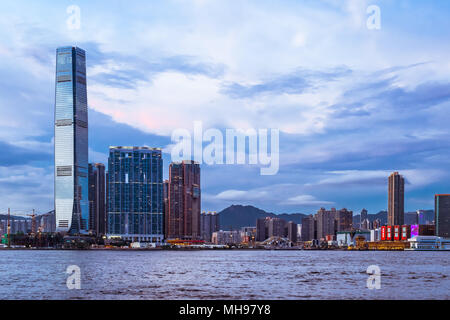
[(351, 104)]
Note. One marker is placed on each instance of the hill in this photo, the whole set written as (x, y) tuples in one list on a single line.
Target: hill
[(238, 216)]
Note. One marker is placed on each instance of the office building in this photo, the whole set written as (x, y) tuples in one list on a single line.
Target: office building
[(442, 215), (97, 199), (396, 199), (292, 231), (262, 232), (184, 201), (71, 142), (209, 223), (135, 194), (308, 228), (277, 228)]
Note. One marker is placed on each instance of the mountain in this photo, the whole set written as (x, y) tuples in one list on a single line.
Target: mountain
[(238, 216)]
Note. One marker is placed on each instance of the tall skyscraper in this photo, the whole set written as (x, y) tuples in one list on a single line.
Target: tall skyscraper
[(442, 215), (71, 142), (396, 199), (97, 198), (135, 194), (184, 201)]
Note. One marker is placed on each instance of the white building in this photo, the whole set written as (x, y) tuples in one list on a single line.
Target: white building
[(429, 243)]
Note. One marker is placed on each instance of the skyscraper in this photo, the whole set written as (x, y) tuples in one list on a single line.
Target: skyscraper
[(71, 141), (135, 194), (396, 199), (97, 199), (184, 201), (442, 215)]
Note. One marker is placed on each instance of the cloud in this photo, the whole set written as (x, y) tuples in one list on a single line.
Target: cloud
[(306, 200)]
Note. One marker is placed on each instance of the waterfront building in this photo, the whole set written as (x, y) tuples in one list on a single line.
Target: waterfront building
[(344, 220), (209, 223), (248, 234), (277, 227), (308, 228), (46, 222), (226, 237), (71, 142), (396, 199), (97, 199), (442, 215), (429, 243), (292, 231), (262, 229), (135, 194), (184, 201)]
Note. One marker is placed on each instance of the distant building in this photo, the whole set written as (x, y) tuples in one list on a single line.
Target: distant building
[(396, 199), (184, 201), (362, 217), (292, 231), (262, 229), (135, 194), (46, 222), (344, 220), (209, 223), (226, 237), (97, 198), (442, 215), (277, 227), (308, 228)]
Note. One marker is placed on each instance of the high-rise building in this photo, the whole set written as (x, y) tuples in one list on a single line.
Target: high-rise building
[(292, 231), (135, 194), (442, 215), (262, 229), (326, 222), (209, 223), (71, 141), (184, 201), (97, 199), (396, 199), (344, 220), (308, 228), (277, 227)]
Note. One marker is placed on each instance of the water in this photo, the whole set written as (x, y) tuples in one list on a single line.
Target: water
[(224, 274)]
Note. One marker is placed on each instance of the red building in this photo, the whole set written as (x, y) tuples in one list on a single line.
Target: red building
[(183, 201)]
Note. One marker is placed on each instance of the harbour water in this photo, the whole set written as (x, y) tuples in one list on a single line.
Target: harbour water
[(228, 274)]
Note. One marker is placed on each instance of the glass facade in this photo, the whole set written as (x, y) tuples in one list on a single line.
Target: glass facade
[(135, 193), (71, 141)]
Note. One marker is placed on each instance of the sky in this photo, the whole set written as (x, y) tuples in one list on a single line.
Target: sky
[(352, 103)]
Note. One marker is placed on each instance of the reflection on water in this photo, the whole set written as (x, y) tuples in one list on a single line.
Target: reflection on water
[(224, 274)]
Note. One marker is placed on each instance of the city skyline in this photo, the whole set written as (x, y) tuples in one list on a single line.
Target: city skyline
[(351, 122)]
